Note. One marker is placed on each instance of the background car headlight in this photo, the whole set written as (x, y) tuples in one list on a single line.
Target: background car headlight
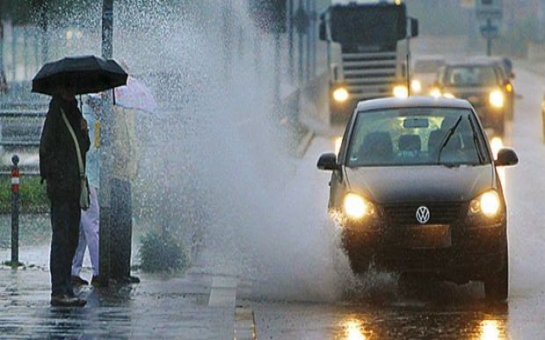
[(357, 207), (416, 86), (435, 92), (488, 204), (496, 99), (401, 91), (340, 95)]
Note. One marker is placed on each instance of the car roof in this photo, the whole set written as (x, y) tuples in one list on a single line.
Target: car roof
[(473, 62), (413, 101), (430, 57)]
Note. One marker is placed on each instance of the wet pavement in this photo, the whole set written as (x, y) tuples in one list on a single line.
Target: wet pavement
[(191, 305), (158, 307)]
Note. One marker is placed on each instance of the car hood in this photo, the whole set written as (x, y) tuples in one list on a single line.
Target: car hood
[(420, 183)]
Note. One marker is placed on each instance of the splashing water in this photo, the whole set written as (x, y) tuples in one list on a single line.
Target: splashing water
[(216, 169)]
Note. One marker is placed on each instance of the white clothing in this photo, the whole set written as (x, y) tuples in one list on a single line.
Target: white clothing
[(88, 235)]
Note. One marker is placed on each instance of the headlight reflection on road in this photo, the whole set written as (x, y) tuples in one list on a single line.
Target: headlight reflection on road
[(490, 330), (496, 144), (354, 331), (338, 142)]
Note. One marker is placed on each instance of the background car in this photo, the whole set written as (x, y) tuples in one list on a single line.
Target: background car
[(508, 75), (483, 84), (424, 72), (415, 190)]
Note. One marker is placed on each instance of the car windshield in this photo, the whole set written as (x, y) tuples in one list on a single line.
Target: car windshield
[(416, 136), (471, 76)]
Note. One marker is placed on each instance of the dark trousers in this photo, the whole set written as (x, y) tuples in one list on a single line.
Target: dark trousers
[(120, 229), (65, 218)]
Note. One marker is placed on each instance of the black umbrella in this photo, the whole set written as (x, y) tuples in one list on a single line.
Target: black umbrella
[(88, 74)]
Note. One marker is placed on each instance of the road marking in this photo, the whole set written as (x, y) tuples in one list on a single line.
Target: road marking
[(245, 324), (223, 292)]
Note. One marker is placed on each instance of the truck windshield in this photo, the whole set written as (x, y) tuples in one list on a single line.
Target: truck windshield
[(372, 26)]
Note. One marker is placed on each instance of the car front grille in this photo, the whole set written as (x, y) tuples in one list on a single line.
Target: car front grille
[(440, 213)]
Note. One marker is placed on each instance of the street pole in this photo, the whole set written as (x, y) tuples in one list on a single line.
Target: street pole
[(106, 160)]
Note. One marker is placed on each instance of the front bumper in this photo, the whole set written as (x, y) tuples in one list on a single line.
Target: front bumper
[(471, 254)]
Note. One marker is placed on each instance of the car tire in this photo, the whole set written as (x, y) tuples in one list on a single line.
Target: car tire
[(358, 258), (496, 286)]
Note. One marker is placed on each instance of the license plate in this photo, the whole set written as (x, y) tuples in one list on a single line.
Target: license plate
[(427, 236)]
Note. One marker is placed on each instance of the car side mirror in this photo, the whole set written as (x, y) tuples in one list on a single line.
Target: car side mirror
[(506, 157), (328, 161)]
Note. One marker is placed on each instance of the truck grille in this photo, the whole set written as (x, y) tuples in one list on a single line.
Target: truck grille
[(369, 75)]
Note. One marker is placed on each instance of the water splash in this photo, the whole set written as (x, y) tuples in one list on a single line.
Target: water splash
[(216, 168)]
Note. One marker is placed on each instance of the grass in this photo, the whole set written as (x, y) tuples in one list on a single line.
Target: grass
[(159, 252), (32, 196)]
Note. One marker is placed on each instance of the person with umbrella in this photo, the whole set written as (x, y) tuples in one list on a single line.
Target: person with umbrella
[(60, 167), (63, 147)]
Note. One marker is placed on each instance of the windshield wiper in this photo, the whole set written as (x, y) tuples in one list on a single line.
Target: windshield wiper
[(476, 142), (446, 139)]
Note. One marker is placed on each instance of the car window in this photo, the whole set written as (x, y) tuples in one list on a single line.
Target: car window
[(471, 76), (415, 136)]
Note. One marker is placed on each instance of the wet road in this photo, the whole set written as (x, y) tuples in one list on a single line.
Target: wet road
[(377, 307)]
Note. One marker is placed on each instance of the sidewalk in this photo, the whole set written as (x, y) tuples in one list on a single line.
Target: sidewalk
[(193, 305), (184, 307)]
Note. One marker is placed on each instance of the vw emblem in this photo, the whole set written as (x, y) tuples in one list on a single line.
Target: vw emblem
[(422, 214)]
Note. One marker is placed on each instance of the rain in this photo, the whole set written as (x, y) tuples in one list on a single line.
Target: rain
[(222, 172)]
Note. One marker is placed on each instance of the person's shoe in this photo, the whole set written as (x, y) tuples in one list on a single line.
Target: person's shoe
[(95, 281), (126, 280), (133, 279), (76, 280), (67, 301)]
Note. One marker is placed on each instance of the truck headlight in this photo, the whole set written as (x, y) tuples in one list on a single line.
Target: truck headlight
[(357, 207), (400, 91), (487, 204), (496, 99), (340, 95)]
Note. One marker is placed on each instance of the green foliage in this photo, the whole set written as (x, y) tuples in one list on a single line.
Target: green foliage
[(32, 195), (159, 252)]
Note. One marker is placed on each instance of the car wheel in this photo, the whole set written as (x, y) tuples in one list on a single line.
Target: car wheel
[(496, 287), (357, 256)]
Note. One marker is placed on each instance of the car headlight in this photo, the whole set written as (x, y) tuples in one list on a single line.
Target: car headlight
[(357, 207), (400, 91), (496, 99), (340, 95), (435, 92), (416, 86), (487, 204)]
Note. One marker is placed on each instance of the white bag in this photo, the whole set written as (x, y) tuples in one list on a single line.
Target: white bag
[(84, 198)]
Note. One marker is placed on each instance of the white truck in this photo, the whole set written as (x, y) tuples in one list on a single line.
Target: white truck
[(367, 48)]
